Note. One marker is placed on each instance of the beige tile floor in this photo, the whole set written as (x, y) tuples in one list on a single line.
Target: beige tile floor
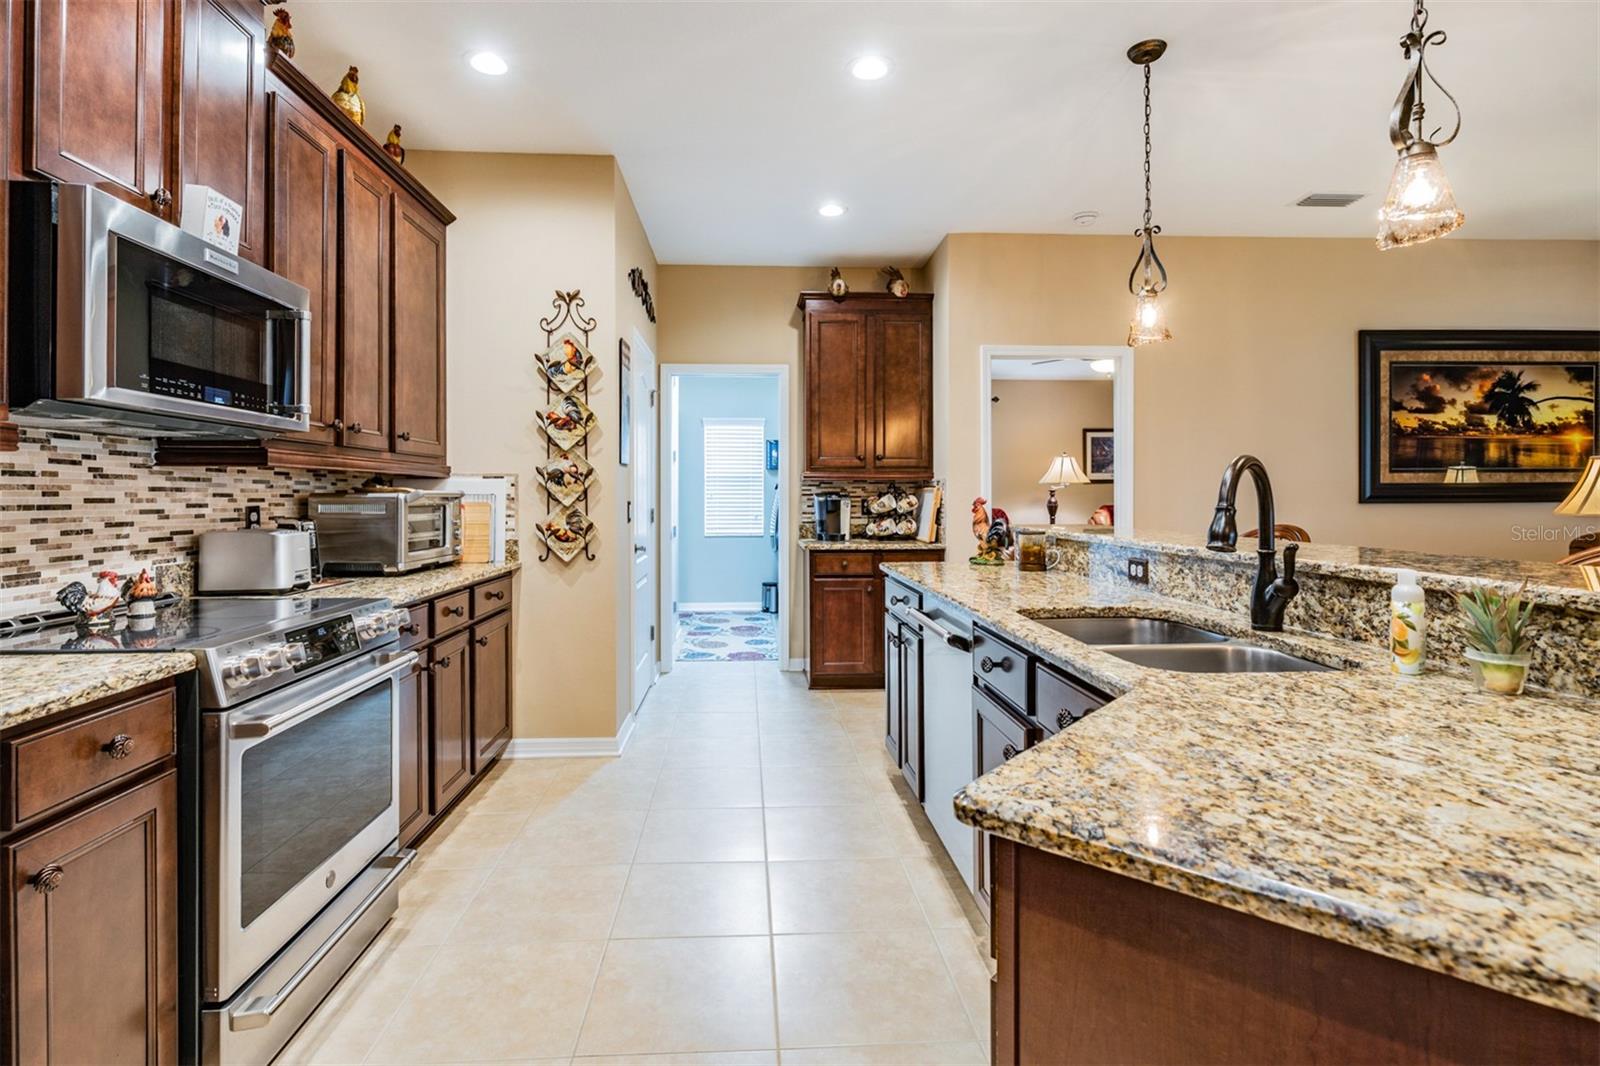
[(748, 884)]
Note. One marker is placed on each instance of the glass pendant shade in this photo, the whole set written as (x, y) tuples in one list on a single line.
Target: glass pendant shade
[(1420, 205), (1149, 323)]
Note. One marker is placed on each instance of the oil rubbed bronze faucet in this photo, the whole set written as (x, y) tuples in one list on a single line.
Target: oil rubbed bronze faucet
[(1270, 594)]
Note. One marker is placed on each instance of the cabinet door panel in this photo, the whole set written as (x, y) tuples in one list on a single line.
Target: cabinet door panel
[(98, 95), (419, 410), (838, 394), (893, 693), (911, 707), (305, 242), (363, 305), (846, 626), (491, 689), (998, 737), (97, 955), (902, 357), (224, 109), (450, 741), (416, 804)]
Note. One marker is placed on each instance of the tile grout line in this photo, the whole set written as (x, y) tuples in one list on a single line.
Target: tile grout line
[(766, 870)]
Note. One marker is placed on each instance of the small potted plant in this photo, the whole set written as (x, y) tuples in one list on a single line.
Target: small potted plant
[(1497, 630)]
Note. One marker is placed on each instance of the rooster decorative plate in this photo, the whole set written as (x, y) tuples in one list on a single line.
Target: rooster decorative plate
[(567, 421), (566, 363), (566, 532), (566, 476)]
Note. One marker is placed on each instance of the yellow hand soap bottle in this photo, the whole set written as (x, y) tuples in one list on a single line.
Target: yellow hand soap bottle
[(1408, 624)]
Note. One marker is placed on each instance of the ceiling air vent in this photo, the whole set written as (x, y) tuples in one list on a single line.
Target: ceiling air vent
[(1328, 199)]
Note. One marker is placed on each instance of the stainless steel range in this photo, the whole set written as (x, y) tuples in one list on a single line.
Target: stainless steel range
[(298, 794)]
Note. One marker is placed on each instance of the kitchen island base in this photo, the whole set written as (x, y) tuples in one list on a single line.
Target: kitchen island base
[(1097, 967)]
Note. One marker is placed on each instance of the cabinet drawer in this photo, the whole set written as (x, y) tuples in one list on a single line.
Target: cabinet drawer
[(1001, 666), (420, 629), (846, 564), (450, 612), (491, 596), (55, 766), (1059, 700), (897, 593)]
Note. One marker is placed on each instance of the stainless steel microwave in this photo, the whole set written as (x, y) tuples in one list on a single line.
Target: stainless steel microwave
[(119, 320)]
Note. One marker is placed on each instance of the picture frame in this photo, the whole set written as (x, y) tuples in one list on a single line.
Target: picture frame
[(1100, 454), (625, 404), (1475, 416)]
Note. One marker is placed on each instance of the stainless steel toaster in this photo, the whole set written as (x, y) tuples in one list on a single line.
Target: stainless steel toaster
[(386, 531), (257, 560)]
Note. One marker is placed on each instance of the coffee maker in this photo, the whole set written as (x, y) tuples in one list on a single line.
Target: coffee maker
[(831, 515)]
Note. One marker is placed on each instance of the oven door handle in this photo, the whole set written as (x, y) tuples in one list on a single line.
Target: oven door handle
[(257, 1013), (391, 665), (955, 640)]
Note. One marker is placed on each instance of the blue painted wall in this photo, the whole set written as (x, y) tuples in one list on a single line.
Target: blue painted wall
[(720, 569)]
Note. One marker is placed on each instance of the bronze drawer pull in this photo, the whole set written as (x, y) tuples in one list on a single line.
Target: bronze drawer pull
[(161, 198), (404, 434), (497, 594), (443, 663), (452, 612), (409, 629), (119, 746), (48, 879), (987, 665), (1062, 718), (899, 599), (337, 425), (355, 427), (482, 642), (1008, 753)]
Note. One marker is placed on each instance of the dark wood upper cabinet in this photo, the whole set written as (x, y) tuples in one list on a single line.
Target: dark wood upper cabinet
[(451, 719), (491, 688), (869, 385), (305, 242), (99, 99), (92, 902), (364, 286), (224, 106), (419, 352)]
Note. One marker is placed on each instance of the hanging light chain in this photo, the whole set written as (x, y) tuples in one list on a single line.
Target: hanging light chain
[(1419, 19), (1147, 145)]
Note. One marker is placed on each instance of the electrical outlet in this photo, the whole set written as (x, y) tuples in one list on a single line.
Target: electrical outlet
[(1139, 571)]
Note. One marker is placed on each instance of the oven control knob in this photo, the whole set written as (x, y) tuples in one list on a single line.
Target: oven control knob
[(241, 671), (275, 658), (297, 654)]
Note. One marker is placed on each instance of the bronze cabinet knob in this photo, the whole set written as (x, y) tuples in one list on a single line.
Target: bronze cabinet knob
[(498, 594), (988, 665), (161, 198), (48, 879), (443, 663), (355, 427), (119, 746), (409, 629), (482, 642), (1062, 718), (1008, 753), (404, 434), (453, 612), (337, 425)]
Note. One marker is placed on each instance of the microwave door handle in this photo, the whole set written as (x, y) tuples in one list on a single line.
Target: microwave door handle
[(392, 665)]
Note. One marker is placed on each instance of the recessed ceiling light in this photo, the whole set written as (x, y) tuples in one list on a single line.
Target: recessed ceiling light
[(1103, 366), (831, 210), (870, 68), (488, 63)]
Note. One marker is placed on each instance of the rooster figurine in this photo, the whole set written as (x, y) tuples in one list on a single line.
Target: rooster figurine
[(837, 285), (281, 37), (348, 96), (392, 145), (980, 519), (990, 552), (895, 282)]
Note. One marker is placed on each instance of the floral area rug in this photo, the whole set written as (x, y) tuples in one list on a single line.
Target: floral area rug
[(726, 636)]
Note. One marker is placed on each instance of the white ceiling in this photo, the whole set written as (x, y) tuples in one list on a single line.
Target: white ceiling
[(1032, 369), (732, 122)]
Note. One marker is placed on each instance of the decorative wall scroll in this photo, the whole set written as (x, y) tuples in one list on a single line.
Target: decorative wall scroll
[(566, 473), (641, 289)]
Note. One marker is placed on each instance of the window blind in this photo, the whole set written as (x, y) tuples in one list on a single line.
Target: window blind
[(736, 491)]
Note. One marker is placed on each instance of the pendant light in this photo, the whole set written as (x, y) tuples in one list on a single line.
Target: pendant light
[(1148, 279), (1419, 205)]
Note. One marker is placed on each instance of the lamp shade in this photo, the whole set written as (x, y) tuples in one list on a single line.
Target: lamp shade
[(1461, 474), (1584, 499), (1064, 470)]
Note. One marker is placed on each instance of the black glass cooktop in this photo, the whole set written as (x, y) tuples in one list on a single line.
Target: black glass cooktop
[(178, 625)]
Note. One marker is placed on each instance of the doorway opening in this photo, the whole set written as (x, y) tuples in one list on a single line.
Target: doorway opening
[(726, 546), (1058, 425)]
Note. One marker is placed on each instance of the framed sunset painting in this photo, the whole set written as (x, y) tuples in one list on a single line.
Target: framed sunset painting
[(1483, 415)]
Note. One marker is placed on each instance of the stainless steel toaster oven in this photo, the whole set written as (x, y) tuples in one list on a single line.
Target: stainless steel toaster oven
[(386, 531)]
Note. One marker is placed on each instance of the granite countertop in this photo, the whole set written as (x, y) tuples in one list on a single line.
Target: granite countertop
[(1412, 817), (35, 686), (869, 544)]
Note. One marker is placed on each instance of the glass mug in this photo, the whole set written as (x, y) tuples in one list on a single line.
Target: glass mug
[(1037, 552)]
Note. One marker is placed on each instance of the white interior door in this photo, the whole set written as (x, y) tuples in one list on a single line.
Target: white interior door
[(643, 525), (669, 602)]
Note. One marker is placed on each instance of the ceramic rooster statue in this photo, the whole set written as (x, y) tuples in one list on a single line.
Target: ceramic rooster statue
[(836, 284), (281, 37), (994, 534), (392, 145), (895, 282), (348, 96), (980, 519)]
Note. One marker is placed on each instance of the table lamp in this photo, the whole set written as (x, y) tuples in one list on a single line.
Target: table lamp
[(1461, 474), (1064, 470), (1584, 499)]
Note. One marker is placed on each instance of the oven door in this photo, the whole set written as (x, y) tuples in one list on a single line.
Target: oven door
[(432, 532), (301, 792), (153, 319)]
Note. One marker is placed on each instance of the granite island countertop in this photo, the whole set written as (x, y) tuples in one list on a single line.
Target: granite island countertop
[(36, 686), (1412, 817), (868, 544)]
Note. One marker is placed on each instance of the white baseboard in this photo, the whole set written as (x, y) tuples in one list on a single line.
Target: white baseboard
[(796, 665), (572, 747), (708, 607)]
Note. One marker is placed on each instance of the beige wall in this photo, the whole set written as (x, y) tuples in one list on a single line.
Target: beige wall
[(528, 225), (1031, 423), (1263, 360), (729, 314)]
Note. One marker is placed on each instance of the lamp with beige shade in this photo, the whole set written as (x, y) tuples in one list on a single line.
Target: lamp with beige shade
[(1584, 499), (1064, 470)]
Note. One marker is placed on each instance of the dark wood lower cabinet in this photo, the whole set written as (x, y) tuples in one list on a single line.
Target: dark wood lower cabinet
[(491, 689), (93, 932), (416, 802), (846, 644), (451, 720), (1095, 967)]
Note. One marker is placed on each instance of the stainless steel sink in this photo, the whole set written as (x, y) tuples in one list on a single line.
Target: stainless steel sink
[(1130, 630), (1226, 658)]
